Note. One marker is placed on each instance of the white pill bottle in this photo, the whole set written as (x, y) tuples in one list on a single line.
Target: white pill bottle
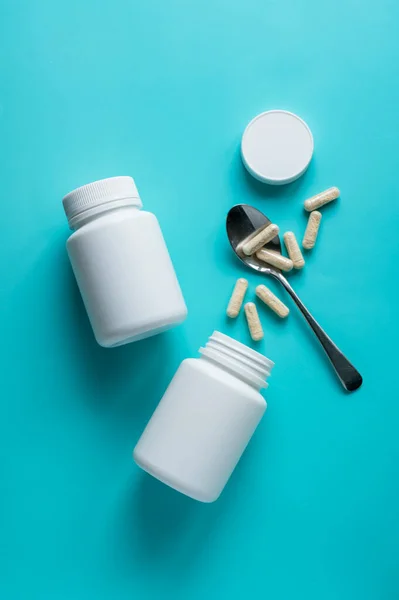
[(205, 419), (121, 263)]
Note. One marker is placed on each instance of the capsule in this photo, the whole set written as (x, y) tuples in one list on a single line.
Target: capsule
[(264, 236), (274, 259), (322, 199), (294, 252), (272, 301), (237, 298), (254, 324), (312, 229)]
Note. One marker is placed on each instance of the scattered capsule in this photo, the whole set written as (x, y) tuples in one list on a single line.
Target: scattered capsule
[(321, 199), (237, 298), (274, 259), (264, 236), (254, 324), (272, 301), (293, 250), (312, 229)]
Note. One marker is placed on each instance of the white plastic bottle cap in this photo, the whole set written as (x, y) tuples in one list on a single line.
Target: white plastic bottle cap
[(121, 190), (277, 147)]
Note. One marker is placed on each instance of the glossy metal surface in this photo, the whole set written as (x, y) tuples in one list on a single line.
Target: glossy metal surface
[(242, 222)]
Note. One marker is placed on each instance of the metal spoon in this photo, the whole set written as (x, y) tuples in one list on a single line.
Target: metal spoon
[(242, 221)]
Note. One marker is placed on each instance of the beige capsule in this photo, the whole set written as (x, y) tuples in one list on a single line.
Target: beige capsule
[(237, 298), (322, 199), (272, 301), (294, 252), (264, 236), (274, 259), (312, 229), (254, 324)]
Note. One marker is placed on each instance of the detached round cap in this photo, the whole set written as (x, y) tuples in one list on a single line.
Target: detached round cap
[(277, 147), (119, 190)]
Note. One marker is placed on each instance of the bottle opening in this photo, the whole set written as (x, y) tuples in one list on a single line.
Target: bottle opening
[(249, 365)]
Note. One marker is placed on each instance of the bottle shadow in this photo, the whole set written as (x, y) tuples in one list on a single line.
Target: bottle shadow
[(167, 532)]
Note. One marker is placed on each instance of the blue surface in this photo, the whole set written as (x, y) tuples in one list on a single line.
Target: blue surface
[(163, 91)]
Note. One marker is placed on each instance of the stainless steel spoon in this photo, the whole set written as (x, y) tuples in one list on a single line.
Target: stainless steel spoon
[(242, 221)]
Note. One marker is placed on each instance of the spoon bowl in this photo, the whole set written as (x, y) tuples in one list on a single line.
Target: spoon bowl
[(243, 222)]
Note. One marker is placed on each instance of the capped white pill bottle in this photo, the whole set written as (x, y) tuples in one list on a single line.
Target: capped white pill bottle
[(205, 419), (121, 263)]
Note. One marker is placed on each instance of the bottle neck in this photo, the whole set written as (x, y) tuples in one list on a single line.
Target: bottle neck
[(90, 214), (236, 358)]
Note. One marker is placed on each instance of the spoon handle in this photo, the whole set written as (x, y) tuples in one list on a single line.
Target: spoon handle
[(348, 375)]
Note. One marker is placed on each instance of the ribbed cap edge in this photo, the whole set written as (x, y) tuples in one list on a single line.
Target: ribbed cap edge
[(100, 192)]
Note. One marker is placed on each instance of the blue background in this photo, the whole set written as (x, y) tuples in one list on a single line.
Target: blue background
[(163, 91)]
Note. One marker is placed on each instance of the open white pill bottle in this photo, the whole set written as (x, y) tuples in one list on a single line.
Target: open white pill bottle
[(206, 418), (121, 263)]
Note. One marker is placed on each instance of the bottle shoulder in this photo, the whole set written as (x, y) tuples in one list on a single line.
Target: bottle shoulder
[(114, 218), (206, 368)]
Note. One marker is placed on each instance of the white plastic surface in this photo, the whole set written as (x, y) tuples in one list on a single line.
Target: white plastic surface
[(277, 147), (203, 424), (125, 275)]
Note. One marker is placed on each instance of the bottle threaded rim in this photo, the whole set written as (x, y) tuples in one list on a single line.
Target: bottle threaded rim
[(238, 358)]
